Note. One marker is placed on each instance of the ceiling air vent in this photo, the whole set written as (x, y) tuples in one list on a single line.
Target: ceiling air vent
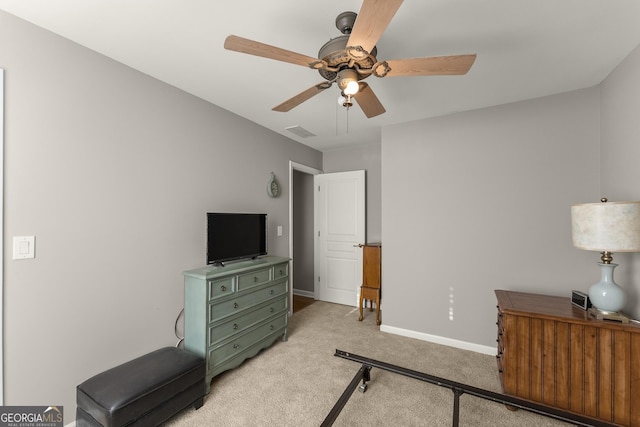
[(300, 131)]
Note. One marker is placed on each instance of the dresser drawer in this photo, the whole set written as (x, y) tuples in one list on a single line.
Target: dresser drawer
[(280, 271), (222, 309), (224, 330), (235, 347), (274, 290), (221, 287), (255, 278)]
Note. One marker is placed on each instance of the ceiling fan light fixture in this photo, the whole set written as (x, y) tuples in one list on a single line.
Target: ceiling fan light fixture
[(351, 88), (348, 81)]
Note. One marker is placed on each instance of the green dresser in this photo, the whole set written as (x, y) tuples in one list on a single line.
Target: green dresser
[(233, 312)]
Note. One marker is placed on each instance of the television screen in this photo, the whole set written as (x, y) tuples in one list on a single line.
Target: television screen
[(232, 236)]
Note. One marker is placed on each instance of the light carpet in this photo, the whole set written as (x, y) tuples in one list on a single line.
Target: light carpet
[(296, 383)]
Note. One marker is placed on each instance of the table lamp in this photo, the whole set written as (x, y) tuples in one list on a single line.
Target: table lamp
[(606, 227)]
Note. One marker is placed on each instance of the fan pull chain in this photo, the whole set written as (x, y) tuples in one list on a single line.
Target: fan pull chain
[(337, 124), (347, 119)]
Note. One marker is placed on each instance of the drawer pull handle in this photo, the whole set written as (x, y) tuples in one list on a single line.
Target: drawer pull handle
[(236, 346), (281, 273), (235, 326), (255, 279), (235, 305), (271, 291), (272, 327), (223, 288), (272, 309)]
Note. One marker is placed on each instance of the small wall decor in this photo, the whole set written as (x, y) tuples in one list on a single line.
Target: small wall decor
[(273, 188)]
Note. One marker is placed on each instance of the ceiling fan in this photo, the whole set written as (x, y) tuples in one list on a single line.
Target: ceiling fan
[(348, 59)]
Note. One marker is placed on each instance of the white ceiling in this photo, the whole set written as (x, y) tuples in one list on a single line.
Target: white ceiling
[(526, 49)]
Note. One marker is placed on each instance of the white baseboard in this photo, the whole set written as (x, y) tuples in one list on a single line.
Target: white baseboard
[(440, 340), (71, 424), (302, 293)]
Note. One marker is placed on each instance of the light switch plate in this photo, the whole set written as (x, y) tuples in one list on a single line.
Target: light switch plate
[(24, 247)]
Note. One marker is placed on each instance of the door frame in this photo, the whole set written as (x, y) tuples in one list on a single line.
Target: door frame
[(294, 166)]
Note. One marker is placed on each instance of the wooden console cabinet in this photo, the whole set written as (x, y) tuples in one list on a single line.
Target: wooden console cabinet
[(232, 312), (371, 278), (551, 352)]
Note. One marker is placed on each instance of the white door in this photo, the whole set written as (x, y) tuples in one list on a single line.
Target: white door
[(340, 228)]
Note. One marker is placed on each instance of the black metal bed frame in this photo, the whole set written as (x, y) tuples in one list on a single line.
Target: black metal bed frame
[(457, 388)]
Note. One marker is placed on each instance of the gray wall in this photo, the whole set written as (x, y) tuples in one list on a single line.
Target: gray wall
[(113, 172), (367, 158), (479, 201), (620, 136)]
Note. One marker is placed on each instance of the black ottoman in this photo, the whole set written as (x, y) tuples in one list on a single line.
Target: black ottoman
[(143, 392)]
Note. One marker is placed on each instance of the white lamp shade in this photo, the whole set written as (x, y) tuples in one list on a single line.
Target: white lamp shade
[(608, 226)]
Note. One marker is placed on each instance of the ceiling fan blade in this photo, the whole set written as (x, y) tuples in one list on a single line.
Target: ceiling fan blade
[(240, 44), (433, 66), (368, 101), (301, 97), (372, 20)]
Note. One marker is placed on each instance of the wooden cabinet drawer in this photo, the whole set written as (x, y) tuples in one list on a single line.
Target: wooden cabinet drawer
[(243, 342), (255, 278), (500, 346), (221, 287), (221, 331)]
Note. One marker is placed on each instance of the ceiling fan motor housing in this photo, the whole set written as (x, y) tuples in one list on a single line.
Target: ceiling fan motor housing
[(334, 53)]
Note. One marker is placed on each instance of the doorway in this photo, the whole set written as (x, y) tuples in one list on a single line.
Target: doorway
[(301, 233), (326, 266)]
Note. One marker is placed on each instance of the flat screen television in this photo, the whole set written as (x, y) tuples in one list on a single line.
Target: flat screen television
[(235, 236)]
